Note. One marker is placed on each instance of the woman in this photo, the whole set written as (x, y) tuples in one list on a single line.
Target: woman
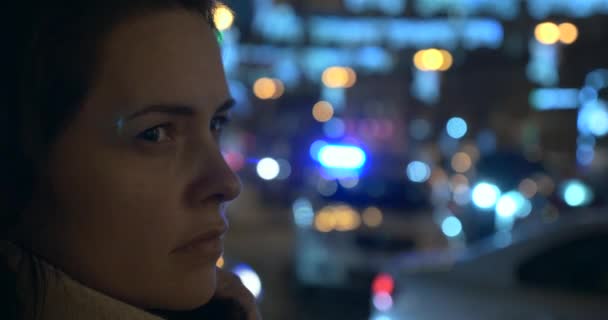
[(114, 189)]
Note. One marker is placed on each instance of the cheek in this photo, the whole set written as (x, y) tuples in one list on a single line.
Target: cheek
[(120, 203)]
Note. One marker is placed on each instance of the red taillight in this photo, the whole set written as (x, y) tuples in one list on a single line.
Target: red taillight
[(383, 283)]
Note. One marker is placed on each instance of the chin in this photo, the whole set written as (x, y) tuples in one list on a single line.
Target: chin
[(195, 291)]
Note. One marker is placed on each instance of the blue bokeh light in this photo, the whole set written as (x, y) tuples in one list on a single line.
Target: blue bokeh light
[(593, 118), (554, 98), (485, 195), (418, 171), (513, 204), (451, 227), (249, 278), (315, 147), (342, 157), (334, 128), (303, 213), (576, 193), (457, 128)]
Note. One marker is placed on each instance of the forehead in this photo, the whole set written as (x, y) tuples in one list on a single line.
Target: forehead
[(163, 57)]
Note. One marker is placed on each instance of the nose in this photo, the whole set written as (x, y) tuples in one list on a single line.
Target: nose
[(215, 180)]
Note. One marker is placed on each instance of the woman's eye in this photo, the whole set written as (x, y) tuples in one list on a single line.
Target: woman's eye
[(158, 134), (219, 123)]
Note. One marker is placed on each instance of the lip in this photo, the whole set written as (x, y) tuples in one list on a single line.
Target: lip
[(211, 240)]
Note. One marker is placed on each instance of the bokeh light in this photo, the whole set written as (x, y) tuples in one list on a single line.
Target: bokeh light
[(545, 184), (568, 33), (334, 128), (327, 188), (576, 193), (418, 171), (325, 221), (383, 301), (432, 60), (220, 262), (223, 17), (303, 213), (528, 188), (342, 157), (268, 169), (383, 283), (461, 162), (284, 169), (459, 180), (339, 77), (448, 60), (485, 195), (513, 204), (323, 111), (457, 127), (547, 33), (451, 227), (249, 278), (268, 88), (462, 195), (346, 218), (372, 217), (349, 182), (315, 148)]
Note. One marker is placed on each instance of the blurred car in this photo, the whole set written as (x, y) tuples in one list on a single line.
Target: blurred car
[(347, 237), (557, 271)]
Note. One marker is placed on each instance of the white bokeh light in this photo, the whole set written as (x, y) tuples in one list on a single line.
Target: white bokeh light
[(268, 169)]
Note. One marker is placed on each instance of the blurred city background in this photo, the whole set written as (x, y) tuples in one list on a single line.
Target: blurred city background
[(419, 159)]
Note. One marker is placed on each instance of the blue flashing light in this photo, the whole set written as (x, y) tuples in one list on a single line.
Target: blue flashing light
[(597, 79), (457, 128), (485, 195), (451, 227), (342, 157), (418, 171), (577, 194), (554, 98)]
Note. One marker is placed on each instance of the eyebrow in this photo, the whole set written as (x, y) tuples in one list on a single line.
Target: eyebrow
[(178, 110)]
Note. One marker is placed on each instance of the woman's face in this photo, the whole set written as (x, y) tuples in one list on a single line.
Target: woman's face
[(138, 173)]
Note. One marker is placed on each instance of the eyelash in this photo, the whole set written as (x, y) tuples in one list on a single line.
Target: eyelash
[(217, 126)]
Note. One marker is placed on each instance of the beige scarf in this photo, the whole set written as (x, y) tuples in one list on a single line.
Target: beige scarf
[(65, 298)]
